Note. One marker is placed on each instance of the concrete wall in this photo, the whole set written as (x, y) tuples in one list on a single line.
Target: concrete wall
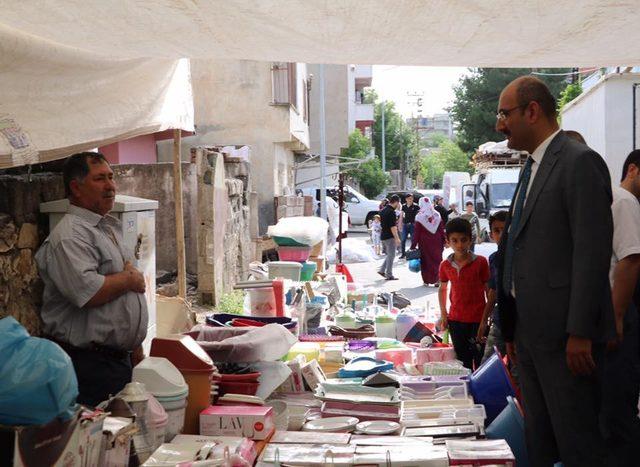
[(233, 107), (155, 181)]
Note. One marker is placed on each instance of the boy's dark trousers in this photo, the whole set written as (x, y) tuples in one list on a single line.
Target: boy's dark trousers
[(463, 336)]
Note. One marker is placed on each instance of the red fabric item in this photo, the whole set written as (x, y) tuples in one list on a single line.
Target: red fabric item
[(342, 269), (431, 246), (467, 292), (278, 291)]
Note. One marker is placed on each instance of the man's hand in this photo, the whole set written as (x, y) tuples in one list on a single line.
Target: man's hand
[(443, 322), (137, 356), (137, 283), (579, 358), (511, 352), (482, 331)]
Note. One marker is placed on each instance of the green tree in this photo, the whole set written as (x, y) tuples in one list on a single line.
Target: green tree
[(476, 101), (448, 157), (568, 94), (400, 141), (368, 174)]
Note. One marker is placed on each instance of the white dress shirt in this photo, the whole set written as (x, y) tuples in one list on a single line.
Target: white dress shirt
[(626, 226)]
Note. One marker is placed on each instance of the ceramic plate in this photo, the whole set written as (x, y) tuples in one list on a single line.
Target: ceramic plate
[(332, 424), (378, 427)]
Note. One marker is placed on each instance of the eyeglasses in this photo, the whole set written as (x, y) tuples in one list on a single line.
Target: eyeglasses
[(504, 113)]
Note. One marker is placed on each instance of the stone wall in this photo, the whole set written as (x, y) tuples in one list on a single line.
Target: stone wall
[(224, 231), (22, 230)]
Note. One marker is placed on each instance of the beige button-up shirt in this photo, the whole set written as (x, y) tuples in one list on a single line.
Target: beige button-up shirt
[(73, 261)]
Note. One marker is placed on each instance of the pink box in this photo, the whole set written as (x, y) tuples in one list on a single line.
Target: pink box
[(435, 354), (255, 422)]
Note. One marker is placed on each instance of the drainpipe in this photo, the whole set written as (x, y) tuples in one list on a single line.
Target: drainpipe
[(634, 117)]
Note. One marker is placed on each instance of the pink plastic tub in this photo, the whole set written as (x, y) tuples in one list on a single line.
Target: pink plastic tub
[(434, 354), (294, 253)]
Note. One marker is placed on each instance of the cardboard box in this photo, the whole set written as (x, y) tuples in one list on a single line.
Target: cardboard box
[(255, 422), (281, 212), (117, 434), (321, 263), (317, 250), (72, 443)]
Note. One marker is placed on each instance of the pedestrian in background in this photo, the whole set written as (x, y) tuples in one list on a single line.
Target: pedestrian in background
[(389, 236), (621, 379), (468, 275), (444, 213), (453, 211), (376, 231), (497, 222), (554, 297), (409, 209), (429, 237), (473, 219)]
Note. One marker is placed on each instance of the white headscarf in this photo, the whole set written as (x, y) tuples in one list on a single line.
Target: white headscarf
[(428, 216)]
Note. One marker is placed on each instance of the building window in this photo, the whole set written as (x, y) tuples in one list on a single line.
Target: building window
[(284, 84)]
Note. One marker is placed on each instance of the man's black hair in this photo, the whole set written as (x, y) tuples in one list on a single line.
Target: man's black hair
[(632, 158), (531, 88), (76, 167), (458, 225), (394, 199), (500, 216), (469, 203)]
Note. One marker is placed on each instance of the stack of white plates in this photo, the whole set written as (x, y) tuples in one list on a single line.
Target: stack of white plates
[(332, 425)]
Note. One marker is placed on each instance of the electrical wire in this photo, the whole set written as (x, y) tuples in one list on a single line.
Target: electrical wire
[(584, 72)]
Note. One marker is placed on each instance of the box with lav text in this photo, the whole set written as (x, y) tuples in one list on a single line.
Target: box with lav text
[(255, 422)]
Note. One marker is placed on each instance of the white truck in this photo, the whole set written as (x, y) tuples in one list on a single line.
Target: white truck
[(492, 186), (360, 208)]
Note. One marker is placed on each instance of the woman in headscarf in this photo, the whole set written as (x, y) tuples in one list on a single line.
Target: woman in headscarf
[(429, 236)]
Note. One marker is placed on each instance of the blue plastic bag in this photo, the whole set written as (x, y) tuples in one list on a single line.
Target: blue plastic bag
[(414, 265), (38, 379)]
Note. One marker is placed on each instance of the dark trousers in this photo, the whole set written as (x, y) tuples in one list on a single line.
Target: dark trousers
[(620, 386), (463, 336), (100, 374), (561, 410), (406, 232)]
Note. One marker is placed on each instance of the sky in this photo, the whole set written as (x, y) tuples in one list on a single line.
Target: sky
[(395, 83)]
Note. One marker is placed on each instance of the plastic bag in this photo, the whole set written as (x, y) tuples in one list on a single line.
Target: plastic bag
[(414, 265), (305, 230), (38, 379)]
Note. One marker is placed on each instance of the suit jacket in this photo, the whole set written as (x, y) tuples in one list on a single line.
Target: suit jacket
[(562, 252)]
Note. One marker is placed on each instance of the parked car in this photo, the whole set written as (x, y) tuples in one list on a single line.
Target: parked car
[(360, 208)]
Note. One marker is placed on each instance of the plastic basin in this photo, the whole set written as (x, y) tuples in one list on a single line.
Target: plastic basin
[(308, 269), (294, 253), (490, 385), (509, 425)]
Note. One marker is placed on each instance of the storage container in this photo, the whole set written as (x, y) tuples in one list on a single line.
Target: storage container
[(385, 326), (285, 270), (262, 301), (196, 368), (294, 253), (308, 270)]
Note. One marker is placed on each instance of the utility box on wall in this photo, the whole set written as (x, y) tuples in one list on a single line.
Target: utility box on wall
[(138, 217)]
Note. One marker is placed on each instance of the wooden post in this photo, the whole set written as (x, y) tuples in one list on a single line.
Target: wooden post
[(177, 197)]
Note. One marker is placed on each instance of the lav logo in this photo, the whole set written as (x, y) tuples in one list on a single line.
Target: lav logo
[(230, 423)]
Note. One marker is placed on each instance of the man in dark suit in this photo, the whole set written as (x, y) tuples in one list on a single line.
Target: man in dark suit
[(554, 295)]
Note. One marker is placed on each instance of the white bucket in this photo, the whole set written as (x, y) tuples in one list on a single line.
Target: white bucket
[(175, 410), (263, 301)]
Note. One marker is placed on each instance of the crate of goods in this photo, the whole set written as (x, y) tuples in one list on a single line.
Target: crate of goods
[(294, 253), (285, 269)]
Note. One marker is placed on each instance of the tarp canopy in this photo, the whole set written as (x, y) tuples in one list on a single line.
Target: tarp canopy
[(75, 72), (56, 100), (508, 33)]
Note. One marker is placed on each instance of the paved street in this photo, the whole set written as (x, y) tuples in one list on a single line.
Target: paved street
[(409, 283)]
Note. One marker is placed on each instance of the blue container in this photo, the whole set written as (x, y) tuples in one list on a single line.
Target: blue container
[(490, 385), (509, 425)]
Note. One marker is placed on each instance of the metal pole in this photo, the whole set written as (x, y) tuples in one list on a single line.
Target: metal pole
[(340, 205), (177, 197), (323, 148), (384, 149)]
